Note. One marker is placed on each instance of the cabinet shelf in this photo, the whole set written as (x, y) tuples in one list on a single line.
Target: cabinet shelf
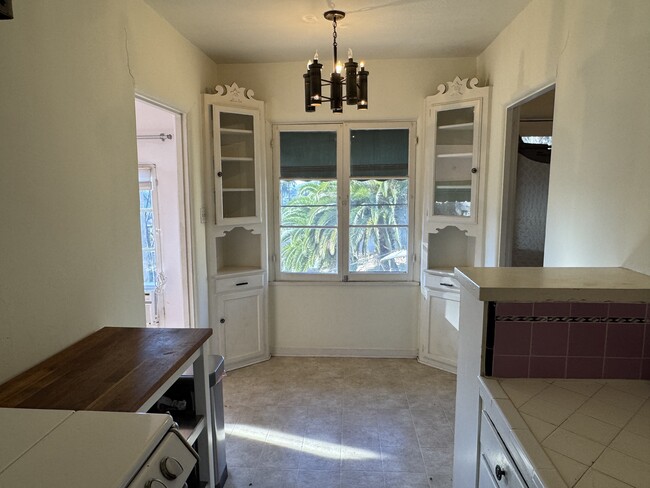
[(225, 190), (233, 271), (235, 159), (190, 428), (455, 155), (224, 130), (463, 126), (452, 186)]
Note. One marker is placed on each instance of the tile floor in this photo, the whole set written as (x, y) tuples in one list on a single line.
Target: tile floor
[(339, 423)]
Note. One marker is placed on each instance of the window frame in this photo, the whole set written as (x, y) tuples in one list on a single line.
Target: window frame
[(343, 137)]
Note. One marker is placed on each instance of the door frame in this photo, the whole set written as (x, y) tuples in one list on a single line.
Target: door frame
[(185, 214), (509, 184)]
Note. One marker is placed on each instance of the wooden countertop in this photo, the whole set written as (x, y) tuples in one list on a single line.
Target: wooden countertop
[(113, 369), (555, 284)]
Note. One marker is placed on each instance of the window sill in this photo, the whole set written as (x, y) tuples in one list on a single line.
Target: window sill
[(345, 283)]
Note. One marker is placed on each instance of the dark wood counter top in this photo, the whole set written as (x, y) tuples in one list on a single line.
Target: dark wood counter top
[(113, 369)]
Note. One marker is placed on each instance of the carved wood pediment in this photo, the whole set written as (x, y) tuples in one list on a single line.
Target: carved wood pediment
[(234, 93)]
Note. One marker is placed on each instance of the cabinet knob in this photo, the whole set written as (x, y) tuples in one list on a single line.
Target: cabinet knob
[(220, 173), (474, 170), (222, 321), (171, 468), (499, 472)]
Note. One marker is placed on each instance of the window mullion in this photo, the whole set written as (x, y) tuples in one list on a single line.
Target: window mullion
[(344, 199)]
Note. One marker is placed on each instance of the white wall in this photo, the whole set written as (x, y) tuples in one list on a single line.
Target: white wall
[(597, 53), (348, 318), (70, 258)]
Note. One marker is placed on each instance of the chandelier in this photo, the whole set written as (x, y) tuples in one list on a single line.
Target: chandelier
[(355, 82)]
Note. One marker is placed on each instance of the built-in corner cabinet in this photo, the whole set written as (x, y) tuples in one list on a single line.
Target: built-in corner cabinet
[(236, 225), (452, 231)]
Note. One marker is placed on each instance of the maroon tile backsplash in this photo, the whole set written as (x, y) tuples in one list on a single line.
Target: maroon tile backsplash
[(549, 339), (587, 339), (571, 340), (512, 338), (625, 340)]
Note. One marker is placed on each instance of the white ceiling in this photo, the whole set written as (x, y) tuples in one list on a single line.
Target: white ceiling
[(262, 31)]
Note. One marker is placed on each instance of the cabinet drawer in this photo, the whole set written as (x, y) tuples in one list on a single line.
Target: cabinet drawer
[(239, 283), (441, 282), (497, 457)]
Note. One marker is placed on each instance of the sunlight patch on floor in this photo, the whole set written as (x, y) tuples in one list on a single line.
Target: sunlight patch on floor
[(316, 447)]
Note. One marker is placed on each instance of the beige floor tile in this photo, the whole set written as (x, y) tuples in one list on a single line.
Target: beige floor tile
[(318, 479), (409, 480), (402, 458), (362, 479), (330, 422), (273, 478)]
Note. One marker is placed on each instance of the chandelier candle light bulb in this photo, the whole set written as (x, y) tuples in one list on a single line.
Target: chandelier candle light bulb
[(356, 82)]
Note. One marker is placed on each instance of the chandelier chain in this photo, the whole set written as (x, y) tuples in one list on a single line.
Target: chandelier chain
[(334, 43)]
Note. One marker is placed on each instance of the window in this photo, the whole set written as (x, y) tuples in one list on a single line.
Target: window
[(345, 201), (149, 226)]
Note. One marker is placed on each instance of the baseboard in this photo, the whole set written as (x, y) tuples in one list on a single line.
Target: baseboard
[(439, 364), (344, 352)]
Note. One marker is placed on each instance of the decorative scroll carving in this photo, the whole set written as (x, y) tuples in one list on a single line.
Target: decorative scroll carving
[(457, 87), (252, 228), (234, 93)]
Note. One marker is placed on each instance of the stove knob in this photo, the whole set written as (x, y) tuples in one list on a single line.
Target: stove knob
[(171, 468), (155, 484)]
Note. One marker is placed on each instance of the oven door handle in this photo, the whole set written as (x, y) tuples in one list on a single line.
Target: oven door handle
[(184, 441)]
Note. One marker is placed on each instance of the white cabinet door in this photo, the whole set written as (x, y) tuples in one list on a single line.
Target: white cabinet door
[(241, 331), (439, 330), (485, 479)]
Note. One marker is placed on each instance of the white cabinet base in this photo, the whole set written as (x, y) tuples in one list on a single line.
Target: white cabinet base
[(439, 316), (241, 337)]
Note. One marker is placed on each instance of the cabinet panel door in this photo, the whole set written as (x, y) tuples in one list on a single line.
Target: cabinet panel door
[(242, 336), (440, 339)]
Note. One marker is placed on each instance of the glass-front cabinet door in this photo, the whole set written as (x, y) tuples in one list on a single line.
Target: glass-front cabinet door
[(455, 152), (236, 166), (455, 162)]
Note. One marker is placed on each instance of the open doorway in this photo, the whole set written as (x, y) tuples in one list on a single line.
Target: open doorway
[(163, 210), (528, 153)]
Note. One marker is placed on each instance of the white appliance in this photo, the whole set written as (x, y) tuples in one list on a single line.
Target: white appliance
[(66, 449)]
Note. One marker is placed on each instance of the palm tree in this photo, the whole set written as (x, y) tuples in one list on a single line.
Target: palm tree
[(308, 233), (378, 219)]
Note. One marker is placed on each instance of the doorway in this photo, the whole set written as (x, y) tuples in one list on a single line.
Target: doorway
[(162, 179), (529, 140)]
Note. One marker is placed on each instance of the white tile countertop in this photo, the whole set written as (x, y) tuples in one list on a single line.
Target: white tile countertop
[(592, 433)]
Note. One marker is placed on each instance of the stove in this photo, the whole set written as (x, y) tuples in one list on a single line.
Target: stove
[(68, 449)]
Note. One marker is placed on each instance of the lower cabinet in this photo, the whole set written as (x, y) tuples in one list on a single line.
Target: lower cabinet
[(240, 335), (497, 468), (439, 317)]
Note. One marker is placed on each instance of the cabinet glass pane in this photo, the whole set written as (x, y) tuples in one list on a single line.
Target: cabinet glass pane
[(452, 190), (237, 165)]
